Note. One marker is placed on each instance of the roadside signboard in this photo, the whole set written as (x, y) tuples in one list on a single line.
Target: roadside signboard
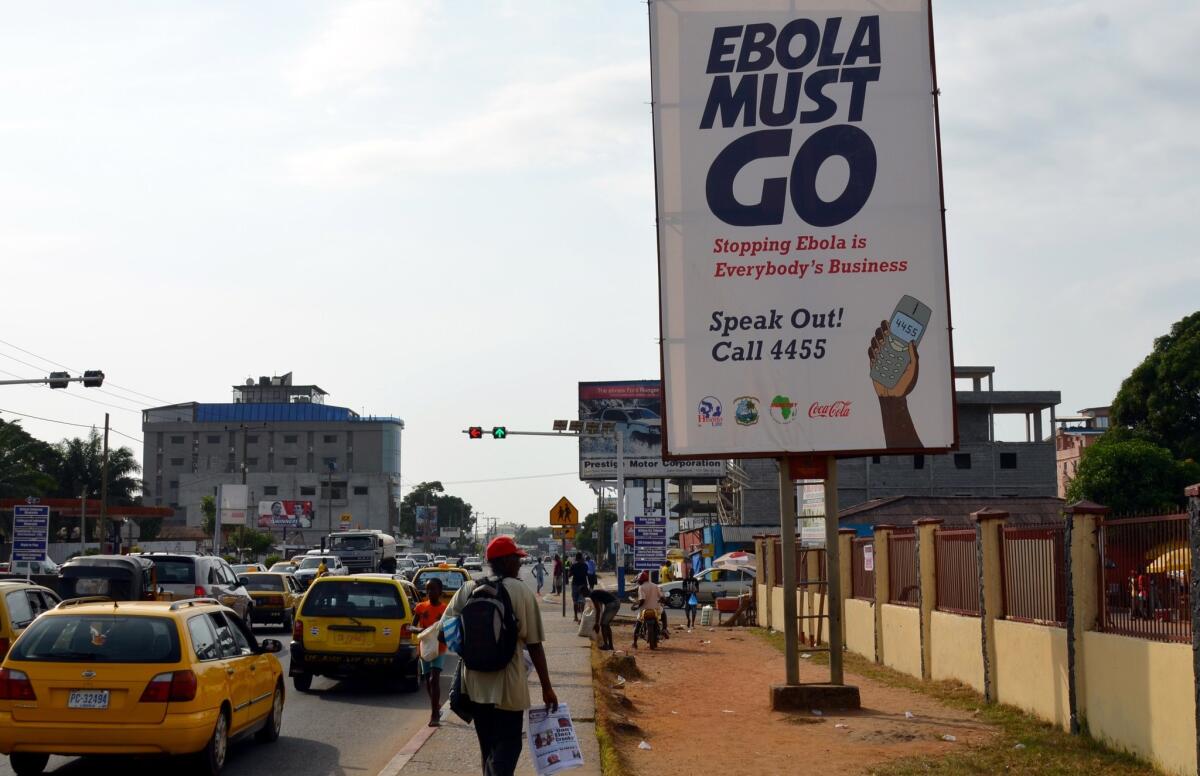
[(285, 514), (31, 530), (563, 532), (801, 243), (636, 407), (233, 503), (868, 557), (564, 513), (427, 523), (345, 519), (649, 542)]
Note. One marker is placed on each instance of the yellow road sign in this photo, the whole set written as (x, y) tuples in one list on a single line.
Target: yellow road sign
[(564, 513), (565, 532), (346, 518)]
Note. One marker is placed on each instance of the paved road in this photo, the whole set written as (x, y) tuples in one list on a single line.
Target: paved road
[(340, 729)]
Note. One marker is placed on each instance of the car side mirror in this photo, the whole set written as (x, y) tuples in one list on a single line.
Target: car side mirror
[(270, 645)]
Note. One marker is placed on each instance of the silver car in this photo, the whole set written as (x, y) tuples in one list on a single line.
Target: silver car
[(201, 576), (306, 572), (714, 583)]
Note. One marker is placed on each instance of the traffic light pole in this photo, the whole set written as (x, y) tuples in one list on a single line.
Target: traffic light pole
[(91, 379)]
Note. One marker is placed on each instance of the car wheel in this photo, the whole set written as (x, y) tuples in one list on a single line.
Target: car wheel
[(211, 758), (675, 600), (28, 763), (302, 682), (270, 730), (288, 621)]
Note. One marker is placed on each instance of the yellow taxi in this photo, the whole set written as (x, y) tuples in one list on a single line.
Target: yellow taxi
[(351, 626), (97, 676), (451, 577), (275, 598), (21, 602)]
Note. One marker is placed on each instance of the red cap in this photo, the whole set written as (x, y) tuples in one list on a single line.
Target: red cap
[(502, 546)]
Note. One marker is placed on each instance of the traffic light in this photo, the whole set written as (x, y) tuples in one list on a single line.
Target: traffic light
[(93, 378), (59, 379), (499, 432), (475, 432)]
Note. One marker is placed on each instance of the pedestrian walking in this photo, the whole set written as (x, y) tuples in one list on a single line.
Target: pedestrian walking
[(499, 698), (579, 583), (691, 597), (591, 566), (539, 573), (558, 575), (427, 613), (606, 606)]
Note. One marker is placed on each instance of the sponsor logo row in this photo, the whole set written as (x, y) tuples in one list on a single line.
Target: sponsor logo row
[(747, 410)]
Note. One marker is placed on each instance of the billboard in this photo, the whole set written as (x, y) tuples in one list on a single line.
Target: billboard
[(234, 499), (285, 514), (427, 523), (804, 304), (636, 407)]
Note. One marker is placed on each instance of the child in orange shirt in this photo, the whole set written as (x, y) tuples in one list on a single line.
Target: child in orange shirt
[(427, 613)]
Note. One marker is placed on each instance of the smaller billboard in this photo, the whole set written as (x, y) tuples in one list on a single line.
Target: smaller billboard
[(285, 514), (427, 523)]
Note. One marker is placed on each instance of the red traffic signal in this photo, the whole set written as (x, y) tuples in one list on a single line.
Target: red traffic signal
[(475, 432)]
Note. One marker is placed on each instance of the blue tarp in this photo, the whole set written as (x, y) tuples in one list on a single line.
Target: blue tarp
[(277, 412)]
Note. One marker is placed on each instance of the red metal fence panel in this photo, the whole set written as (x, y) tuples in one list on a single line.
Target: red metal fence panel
[(904, 586), (1146, 567), (862, 568), (1034, 578), (957, 572)]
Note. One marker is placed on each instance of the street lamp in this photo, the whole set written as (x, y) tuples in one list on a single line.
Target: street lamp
[(331, 463)]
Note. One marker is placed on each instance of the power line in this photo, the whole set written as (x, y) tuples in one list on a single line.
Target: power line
[(509, 479), (66, 423), (134, 410), (64, 366)]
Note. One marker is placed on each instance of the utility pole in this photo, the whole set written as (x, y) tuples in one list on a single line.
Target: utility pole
[(104, 488), (82, 520)]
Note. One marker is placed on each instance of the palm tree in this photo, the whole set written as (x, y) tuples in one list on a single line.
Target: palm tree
[(27, 465), (81, 462)]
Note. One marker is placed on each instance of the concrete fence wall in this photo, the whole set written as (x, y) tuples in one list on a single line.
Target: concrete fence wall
[(1134, 694)]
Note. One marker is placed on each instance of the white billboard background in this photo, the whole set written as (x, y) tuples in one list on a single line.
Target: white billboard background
[(835, 406)]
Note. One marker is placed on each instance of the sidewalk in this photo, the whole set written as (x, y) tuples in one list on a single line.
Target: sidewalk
[(453, 749)]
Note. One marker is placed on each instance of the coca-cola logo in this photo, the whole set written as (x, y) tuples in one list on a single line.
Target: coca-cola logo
[(837, 409)]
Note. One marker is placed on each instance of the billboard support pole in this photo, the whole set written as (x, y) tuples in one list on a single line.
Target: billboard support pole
[(787, 548), (563, 581), (833, 575), (620, 435), (217, 522)]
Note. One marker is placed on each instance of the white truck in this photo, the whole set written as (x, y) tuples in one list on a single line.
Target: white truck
[(364, 550)]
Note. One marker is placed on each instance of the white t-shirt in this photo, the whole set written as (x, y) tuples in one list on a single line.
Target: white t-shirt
[(650, 594)]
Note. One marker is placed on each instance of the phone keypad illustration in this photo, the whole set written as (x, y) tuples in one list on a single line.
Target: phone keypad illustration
[(907, 325)]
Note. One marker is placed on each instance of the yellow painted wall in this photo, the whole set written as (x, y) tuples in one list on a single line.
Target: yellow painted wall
[(902, 638), (1139, 698), (760, 600), (860, 627), (777, 608), (956, 649), (1031, 670)]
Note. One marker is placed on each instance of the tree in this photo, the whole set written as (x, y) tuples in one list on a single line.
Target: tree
[(601, 522), (208, 508), (27, 465), (531, 534), (452, 510), (1160, 399), (148, 528), (81, 462), (1131, 475), (252, 539)]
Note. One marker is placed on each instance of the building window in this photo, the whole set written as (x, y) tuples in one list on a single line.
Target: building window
[(875, 459), (962, 460), (290, 461), (1008, 460), (173, 484), (176, 440), (918, 462), (252, 439), (336, 493), (289, 439), (270, 490), (177, 462), (214, 439), (330, 438), (308, 490), (360, 490), (252, 462)]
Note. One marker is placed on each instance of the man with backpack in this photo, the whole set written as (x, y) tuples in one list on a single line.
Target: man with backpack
[(499, 618)]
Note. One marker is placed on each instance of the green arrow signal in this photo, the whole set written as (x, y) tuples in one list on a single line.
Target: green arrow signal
[(499, 432)]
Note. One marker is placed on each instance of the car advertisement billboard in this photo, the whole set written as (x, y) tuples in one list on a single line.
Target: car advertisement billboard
[(804, 304), (285, 514), (636, 408)]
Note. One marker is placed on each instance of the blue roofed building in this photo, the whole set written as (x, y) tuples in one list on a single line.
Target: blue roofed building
[(307, 464)]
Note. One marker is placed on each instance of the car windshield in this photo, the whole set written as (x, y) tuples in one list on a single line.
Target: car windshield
[(282, 568), (451, 580), (354, 542), (361, 599), (262, 582), (242, 568), (314, 561), (175, 571), (640, 413), (99, 638)]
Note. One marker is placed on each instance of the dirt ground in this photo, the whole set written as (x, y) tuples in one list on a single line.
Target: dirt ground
[(702, 698)]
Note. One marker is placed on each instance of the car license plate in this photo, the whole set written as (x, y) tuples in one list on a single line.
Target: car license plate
[(351, 639), (88, 699)]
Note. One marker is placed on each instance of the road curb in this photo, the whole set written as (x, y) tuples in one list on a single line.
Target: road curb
[(410, 749)]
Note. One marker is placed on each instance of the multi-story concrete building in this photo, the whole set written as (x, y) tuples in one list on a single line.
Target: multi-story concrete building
[(1075, 434), (286, 444)]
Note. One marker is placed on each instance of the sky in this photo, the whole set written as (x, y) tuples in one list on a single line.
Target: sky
[(444, 211)]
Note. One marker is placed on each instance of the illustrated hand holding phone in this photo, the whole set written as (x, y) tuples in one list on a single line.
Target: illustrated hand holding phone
[(893, 350)]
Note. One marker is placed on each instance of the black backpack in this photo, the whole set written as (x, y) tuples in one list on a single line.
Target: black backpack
[(489, 627)]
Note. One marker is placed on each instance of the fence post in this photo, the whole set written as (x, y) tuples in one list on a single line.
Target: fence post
[(1083, 597), (1193, 496), (927, 592), (845, 571), (989, 525), (769, 544), (882, 584)]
